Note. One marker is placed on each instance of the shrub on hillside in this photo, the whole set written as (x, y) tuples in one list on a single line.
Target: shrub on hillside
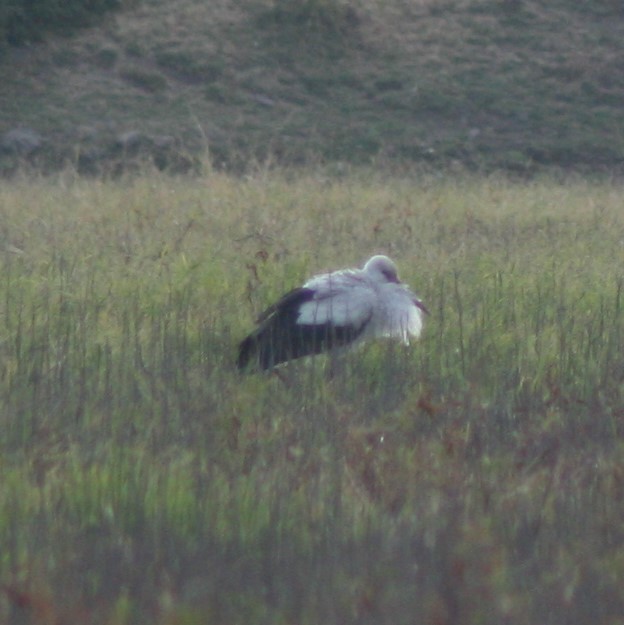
[(331, 16), (24, 21)]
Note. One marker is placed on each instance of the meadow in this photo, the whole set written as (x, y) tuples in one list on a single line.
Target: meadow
[(474, 477)]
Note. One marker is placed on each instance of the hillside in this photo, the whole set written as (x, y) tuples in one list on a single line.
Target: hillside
[(488, 84)]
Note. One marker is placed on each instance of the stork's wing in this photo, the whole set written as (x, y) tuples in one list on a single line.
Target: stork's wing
[(291, 301), (399, 313), (340, 299), (302, 323)]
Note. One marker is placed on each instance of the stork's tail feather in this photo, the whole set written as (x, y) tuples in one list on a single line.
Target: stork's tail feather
[(261, 350), (246, 352)]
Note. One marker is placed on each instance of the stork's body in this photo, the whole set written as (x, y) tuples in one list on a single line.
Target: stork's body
[(333, 310)]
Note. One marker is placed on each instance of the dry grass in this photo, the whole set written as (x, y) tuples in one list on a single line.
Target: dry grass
[(492, 85)]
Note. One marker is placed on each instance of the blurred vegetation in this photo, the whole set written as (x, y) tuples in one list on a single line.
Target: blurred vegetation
[(27, 21), (474, 477)]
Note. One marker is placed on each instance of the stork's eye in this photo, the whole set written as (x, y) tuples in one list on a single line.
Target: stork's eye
[(390, 275)]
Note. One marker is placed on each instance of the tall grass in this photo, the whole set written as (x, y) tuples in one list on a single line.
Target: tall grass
[(474, 477)]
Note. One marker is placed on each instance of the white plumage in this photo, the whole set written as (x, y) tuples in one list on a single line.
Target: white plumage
[(333, 310)]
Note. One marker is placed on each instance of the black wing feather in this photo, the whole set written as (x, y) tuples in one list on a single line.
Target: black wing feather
[(280, 338)]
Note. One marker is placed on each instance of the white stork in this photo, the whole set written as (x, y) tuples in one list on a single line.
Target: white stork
[(333, 310)]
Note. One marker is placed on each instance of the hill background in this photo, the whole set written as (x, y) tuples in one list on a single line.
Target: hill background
[(485, 84)]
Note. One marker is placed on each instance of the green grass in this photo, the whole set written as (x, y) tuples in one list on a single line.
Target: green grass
[(474, 477)]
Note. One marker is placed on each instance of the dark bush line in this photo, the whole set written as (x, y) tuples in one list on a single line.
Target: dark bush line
[(27, 21)]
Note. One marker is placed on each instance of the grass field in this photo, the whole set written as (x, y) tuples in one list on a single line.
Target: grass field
[(476, 477)]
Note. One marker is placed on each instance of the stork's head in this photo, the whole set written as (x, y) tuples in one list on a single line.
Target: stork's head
[(381, 269)]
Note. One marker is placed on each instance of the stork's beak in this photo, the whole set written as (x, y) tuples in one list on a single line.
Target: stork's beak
[(422, 307)]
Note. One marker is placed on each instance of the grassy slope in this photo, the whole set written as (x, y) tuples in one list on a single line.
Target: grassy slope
[(489, 84), (474, 478)]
